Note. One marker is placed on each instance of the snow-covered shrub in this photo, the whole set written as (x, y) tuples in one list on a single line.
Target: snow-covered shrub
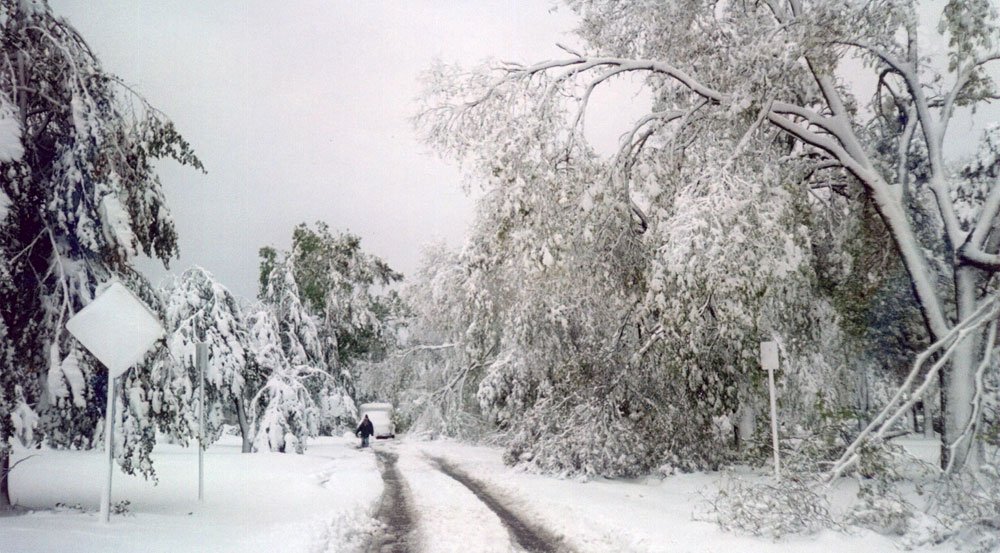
[(287, 416), (881, 509), (123, 507), (966, 507), (791, 506)]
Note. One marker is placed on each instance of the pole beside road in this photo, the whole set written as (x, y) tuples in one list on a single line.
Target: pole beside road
[(769, 362), (201, 359)]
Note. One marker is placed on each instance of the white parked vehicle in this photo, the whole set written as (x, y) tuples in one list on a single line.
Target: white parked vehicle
[(381, 416)]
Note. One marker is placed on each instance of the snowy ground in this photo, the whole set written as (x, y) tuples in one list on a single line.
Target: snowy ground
[(264, 502), (326, 501)]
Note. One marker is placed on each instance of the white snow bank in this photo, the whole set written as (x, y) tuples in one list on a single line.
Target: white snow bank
[(643, 515), (260, 502)]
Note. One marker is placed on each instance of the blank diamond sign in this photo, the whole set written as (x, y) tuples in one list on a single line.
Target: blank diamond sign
[(117, 328)]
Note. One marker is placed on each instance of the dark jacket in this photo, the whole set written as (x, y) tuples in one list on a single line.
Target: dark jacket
[(365, 429)]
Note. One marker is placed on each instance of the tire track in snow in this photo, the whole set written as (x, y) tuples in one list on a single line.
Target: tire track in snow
[(529, 536), (394, 510)]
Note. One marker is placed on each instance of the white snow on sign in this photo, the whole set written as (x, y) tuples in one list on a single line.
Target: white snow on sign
[(117, 328), (769, 356)]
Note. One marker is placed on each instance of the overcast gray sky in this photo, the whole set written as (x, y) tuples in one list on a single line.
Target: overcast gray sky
[(301, 113)]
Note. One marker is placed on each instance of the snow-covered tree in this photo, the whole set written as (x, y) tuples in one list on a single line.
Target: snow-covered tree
[(766, 73), (80, 198), (11, 395), (200, 309), (283, 407), (298, 330), (607, 325), (300, 334), (433, 371), (339, 285)]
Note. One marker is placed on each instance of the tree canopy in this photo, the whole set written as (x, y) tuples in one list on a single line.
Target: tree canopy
[(738, 191), (79, 199)]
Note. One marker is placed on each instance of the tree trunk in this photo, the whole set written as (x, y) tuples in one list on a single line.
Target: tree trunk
[(241, 416), (4, 477), (745, 424), (958, 382), (929, 416)]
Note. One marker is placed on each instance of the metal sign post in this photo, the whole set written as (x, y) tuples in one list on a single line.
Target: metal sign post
[(769, 362), (118, 329), (108, 450), (201, 360)]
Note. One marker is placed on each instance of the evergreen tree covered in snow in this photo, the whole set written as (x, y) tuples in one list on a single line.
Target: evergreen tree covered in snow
[(200, 309), (80, 199), (339, 285), (299, 334), (283, 409)]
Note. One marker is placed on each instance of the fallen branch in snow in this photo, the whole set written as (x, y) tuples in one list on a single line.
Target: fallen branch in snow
[(878, 428), (3, 475), (792, 506)]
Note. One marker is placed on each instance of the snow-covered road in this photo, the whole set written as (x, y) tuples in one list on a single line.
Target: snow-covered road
[(447, 512), (398, 496)]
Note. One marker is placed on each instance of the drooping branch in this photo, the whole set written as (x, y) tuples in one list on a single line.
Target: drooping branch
[(623, 65), (837, 140)]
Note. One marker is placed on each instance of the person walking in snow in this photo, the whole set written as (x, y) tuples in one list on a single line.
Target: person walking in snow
[(364, 430)]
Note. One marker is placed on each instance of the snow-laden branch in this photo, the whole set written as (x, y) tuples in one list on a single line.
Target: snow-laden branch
[(977, 398), (933, 130), (900, 404), (962, 79), (424, 347), (826, 144), (838, 141), (972, 249), (580, 65)]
